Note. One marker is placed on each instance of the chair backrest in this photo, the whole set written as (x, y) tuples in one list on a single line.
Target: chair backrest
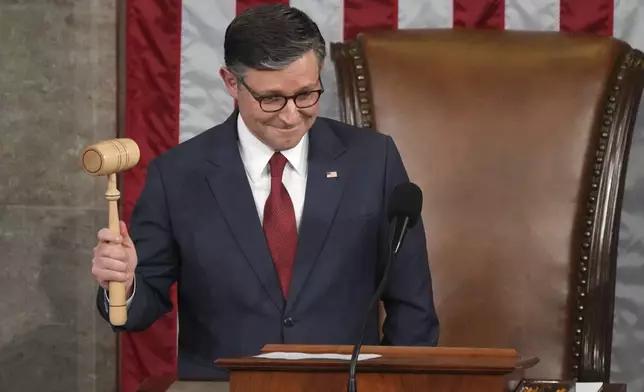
[(519, 141)]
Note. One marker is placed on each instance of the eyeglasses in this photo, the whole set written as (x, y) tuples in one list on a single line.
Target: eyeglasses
[(275, 103)]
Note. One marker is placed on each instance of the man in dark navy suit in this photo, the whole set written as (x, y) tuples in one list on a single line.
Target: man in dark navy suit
[(274, 222)]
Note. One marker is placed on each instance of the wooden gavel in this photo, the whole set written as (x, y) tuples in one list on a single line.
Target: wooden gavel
[(108, 158)]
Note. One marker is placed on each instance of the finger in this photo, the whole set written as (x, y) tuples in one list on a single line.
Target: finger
[(107, 263), (123, 228), (106, 235), (127, 241), (111, 251), (103, 284), (105, 275)]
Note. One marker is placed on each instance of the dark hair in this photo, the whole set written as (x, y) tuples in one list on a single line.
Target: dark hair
[(270, 37)]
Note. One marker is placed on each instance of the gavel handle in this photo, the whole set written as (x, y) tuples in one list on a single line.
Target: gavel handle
[(118, 309)]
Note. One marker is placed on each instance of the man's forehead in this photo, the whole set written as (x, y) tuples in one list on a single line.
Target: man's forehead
[(280, 81), (301, 73)]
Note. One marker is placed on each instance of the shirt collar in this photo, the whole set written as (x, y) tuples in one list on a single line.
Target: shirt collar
[(255, 154)]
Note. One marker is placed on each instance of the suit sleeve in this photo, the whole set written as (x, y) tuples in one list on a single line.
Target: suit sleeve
[(408, 299), (158, 263)]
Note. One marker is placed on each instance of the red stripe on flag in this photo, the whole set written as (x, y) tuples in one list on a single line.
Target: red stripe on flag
[(153, 50), (243, 5), (369, 15), (479, 14), (587, 16)]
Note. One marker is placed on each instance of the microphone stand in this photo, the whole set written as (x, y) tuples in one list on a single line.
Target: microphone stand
[(393, 251)]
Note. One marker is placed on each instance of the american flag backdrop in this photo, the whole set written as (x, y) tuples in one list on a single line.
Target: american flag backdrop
[(174, 48)]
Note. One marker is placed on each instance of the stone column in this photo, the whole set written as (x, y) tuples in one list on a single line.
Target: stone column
[(57, 94)]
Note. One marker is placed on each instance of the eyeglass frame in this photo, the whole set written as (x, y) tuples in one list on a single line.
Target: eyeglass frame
[(258, 97)]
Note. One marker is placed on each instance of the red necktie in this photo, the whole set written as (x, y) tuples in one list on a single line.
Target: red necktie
[(279, 224)]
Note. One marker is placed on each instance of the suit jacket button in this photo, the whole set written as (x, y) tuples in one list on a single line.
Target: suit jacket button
[(288, 322)]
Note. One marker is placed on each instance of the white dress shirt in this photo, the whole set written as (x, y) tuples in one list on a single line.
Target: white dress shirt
[(255, 156)]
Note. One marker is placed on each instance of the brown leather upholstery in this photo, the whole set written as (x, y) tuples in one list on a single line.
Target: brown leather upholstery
[(519, 142)]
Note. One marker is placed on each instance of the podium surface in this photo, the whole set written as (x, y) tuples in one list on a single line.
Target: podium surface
[(396, 369)]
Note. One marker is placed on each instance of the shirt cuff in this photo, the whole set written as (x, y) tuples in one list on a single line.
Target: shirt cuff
[(127, 302)]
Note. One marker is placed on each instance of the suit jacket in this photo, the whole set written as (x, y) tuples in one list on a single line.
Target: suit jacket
[(196, 223)]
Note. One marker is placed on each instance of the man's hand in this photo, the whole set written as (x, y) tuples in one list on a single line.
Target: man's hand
[(114, 259)]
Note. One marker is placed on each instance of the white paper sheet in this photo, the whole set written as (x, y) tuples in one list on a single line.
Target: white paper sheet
[(345, 357), (588, 386)]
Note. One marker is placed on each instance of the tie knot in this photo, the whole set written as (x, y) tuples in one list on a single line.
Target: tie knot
[(277, 164)]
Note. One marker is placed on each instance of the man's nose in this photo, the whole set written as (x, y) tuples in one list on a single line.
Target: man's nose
[(290, 113)]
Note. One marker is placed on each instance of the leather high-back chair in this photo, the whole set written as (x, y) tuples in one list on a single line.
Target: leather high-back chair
[(519, 141)]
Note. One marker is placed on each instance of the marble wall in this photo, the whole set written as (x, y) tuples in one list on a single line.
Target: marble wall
[(57, 94)]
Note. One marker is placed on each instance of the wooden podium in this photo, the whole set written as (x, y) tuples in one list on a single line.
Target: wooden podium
[(398, 369)]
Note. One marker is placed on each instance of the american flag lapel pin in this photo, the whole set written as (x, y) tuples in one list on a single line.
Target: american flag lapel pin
[(332, 174)]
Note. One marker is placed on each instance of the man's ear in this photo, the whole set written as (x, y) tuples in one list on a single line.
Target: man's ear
[(230, 81)]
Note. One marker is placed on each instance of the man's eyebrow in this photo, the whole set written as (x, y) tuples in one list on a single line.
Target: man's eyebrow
[(308, 87)]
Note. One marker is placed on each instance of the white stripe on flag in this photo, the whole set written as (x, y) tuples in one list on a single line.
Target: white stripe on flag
[(628, 25), (204, 100), (415, 14), (329, 16), (541, 15), (628, 22)]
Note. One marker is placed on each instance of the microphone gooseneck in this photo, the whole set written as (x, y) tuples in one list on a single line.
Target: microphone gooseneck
[(374, 299), (405, 205)]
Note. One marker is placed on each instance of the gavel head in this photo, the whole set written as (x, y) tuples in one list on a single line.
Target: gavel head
[(110, 156)]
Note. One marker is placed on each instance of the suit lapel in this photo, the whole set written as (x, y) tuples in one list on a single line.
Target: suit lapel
[(229, 184), (323, 193)]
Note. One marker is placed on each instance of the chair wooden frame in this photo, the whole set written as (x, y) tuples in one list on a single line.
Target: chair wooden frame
[(591, 334)]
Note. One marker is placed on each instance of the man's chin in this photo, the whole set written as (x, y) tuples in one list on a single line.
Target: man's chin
[(287, 144), (285, 131)]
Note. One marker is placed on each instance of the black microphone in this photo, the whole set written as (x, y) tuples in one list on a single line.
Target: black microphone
[(405, 204)]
